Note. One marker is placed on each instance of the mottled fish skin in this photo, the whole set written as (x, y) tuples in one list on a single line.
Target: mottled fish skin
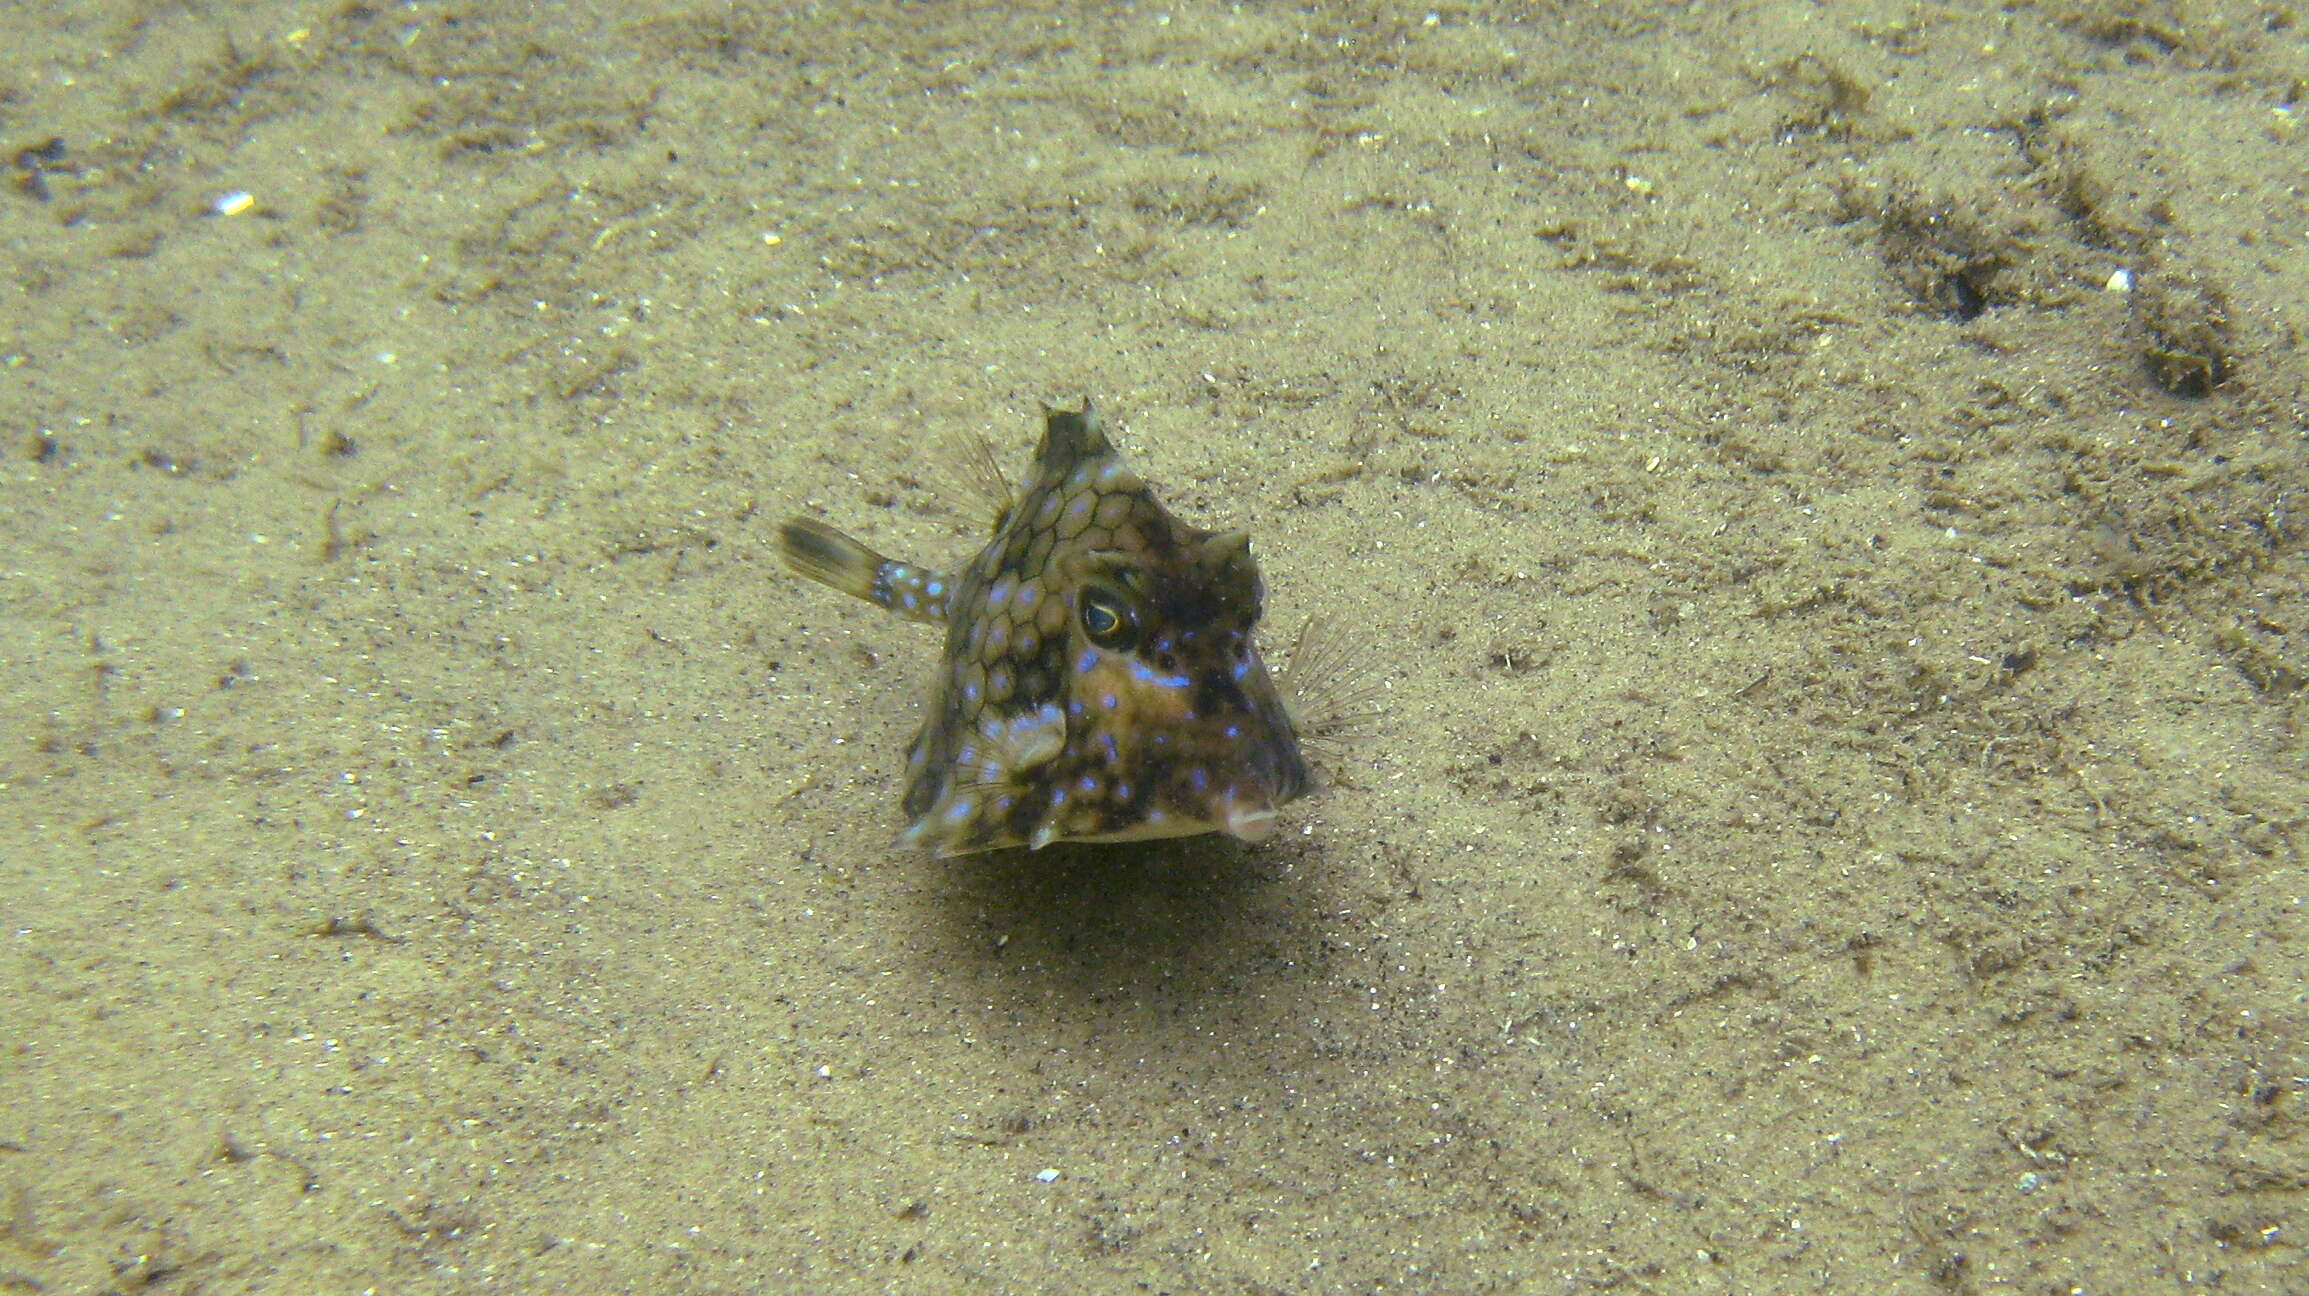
[(1100, 680)]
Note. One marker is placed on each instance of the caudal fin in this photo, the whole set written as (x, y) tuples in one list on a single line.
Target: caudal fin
[(827, 556)]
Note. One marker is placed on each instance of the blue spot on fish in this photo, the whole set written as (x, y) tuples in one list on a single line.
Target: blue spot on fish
[(1146, 674)]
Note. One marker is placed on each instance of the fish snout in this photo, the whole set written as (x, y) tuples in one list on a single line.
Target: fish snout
[(1250, 820)]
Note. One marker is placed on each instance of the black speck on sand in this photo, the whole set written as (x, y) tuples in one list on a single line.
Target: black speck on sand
[(1822, 486)]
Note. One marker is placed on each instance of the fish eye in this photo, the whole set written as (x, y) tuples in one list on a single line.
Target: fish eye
[(1109, 620)]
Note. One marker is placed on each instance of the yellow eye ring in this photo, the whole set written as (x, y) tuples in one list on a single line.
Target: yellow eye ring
[(1108, 620)]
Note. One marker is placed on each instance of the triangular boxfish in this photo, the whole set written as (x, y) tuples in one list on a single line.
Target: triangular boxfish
[(1100, 680)]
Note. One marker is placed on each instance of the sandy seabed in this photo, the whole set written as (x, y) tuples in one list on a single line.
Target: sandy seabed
[(1820, 485)]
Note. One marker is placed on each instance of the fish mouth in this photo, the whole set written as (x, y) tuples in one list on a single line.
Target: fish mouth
[(1245, 809), (1250, 821)]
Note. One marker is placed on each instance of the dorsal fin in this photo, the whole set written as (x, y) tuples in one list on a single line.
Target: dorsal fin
[(1069, 436)]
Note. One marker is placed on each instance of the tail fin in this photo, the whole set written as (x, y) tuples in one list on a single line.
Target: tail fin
[(827, 556)]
